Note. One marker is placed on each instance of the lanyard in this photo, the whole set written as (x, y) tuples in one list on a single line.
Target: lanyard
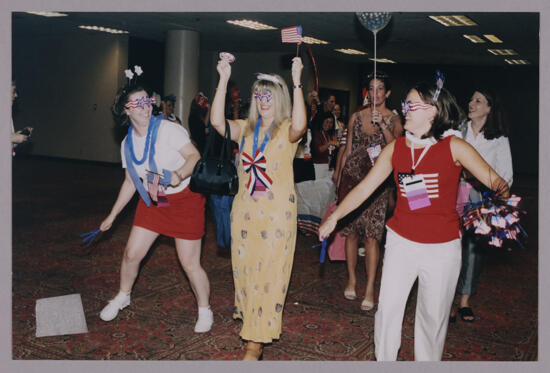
[(257, 135)]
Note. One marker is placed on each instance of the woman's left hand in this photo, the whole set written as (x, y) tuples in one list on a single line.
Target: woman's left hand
[(297, 67)]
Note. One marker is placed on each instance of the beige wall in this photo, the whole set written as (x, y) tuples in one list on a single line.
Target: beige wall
[(67, 84)]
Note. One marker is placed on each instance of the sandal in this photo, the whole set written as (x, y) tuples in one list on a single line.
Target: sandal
[(350, 294), (367, 305), (466, 312)]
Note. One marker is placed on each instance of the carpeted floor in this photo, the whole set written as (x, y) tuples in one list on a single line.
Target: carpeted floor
[(54, 201)]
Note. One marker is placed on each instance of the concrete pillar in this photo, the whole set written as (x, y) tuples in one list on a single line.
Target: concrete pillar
[(181, 69)]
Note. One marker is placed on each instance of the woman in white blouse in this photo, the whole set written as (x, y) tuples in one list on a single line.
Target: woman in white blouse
[(486, 132)]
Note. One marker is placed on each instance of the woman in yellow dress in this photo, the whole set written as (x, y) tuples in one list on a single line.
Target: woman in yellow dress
[(263, 217)]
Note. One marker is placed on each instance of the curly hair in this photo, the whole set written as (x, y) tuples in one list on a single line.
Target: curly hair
[(449, 115)]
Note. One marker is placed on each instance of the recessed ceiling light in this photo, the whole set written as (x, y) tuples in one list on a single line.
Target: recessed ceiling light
[(517, 62), (457, 20), (503, 52), (349, 51), (310, 40), (48, 14), (474, 38), (103, 29), (251, 24), (493, 38), (382, 60)]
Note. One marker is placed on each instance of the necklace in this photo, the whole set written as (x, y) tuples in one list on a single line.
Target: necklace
[(131, 144)]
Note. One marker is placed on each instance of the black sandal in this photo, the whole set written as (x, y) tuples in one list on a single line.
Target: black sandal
[(466, 312)]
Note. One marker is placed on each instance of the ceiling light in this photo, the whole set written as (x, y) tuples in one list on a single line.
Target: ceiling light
[(104, 29), (349, 51), (48, 14), (474, 38), (457, 20), (382, 60), (493, 38), (251, 24), (503, 52), (310, 40), (517, 62)]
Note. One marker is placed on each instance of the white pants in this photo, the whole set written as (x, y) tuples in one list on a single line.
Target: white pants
[(437, 267)]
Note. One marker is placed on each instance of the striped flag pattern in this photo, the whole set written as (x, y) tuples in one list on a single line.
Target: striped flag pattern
[(292, 34), (432, 185)]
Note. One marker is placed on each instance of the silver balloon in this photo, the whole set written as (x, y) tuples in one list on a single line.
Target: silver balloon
[(374, 21)]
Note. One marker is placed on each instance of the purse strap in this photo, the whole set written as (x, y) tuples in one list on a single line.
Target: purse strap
[(226, 146)]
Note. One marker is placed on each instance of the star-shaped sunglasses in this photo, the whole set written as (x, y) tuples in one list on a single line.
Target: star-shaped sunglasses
[(140, 102)]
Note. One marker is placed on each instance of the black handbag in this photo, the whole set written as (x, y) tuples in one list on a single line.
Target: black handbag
[(216, 174)]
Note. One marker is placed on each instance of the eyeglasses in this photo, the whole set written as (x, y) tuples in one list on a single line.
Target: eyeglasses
[(407, 106), (140, 102), (260, 96)]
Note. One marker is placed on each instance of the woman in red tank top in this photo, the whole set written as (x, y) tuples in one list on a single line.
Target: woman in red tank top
[(423, 235)]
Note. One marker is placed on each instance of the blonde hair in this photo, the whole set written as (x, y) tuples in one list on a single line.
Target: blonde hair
[(281, 99)]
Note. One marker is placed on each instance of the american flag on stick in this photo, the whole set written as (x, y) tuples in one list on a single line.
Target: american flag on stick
[(292, 34)]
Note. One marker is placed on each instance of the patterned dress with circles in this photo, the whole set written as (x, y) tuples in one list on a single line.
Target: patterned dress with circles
[(368, 219), (263, 234)]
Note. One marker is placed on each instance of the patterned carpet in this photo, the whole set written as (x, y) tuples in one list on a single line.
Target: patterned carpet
[(54, 201)]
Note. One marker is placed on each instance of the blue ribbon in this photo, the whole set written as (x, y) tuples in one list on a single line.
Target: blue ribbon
[(154, 125), (323, 250)]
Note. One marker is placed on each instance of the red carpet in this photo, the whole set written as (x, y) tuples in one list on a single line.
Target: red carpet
[(54, 201)]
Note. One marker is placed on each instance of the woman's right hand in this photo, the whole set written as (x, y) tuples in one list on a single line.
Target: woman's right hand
[(327, 227), (224, 69), (107, 223)]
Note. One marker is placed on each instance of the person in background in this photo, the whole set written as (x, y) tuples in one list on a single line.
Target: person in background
[(198, 121), (369, 130), (487, 133), (423, 239), (158, 157), (167, 107), (263, 217), (17, 137)]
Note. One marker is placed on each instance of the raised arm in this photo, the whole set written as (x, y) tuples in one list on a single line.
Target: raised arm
[(298, 125), (217, 113), (469, 158), (376, 176)]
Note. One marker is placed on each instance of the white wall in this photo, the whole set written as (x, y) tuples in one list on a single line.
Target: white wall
[(67, 84)]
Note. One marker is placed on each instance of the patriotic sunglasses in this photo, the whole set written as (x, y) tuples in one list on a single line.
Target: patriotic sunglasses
[(259, 96), (407, 106), (140, 102)]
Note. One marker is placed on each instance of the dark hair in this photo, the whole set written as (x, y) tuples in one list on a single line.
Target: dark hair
[(380, 75), (320, 119), (449, 114), (121, 99), (495, 125)]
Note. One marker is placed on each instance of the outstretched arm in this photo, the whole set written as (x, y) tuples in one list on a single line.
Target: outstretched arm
[(376, 176), (298, 126), (217, 114), (469, 158)]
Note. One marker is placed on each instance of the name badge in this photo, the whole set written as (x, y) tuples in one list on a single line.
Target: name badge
[(374, 151), (416, 192)]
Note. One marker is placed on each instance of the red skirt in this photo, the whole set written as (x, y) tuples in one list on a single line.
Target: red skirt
[(183, 218)]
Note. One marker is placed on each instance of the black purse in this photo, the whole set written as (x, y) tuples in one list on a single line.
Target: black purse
[(216, 175)]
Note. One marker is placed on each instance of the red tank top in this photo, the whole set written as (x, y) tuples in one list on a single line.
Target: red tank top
[(438, 222)]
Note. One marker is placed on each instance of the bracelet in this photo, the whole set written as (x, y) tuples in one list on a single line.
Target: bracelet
[(179, 175), (298, 86)]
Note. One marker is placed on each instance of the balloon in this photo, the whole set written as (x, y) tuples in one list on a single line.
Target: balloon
[(374, 21)]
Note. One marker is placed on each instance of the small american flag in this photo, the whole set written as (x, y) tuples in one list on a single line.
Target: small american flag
[(292, 34)]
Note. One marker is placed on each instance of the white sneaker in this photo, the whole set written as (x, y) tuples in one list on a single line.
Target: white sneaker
[(110, 311), (205, 320), (361, 251)]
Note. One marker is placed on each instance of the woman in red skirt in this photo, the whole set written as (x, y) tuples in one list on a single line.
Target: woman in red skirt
[(159, 158)]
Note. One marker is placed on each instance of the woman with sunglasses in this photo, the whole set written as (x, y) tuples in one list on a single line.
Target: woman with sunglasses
[(159, 158), (264, 212), (423, 239)]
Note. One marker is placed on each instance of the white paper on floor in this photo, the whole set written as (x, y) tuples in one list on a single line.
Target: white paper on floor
[(60, 315)]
